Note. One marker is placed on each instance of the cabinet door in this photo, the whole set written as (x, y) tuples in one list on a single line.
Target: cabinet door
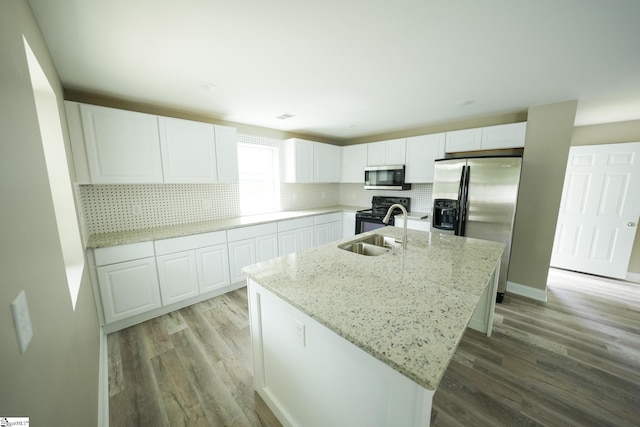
[(395, 151), (376, 154), (304, 239), (422, 151), (322, 232), (188, 151), (213, 267), (123, 147), (321, 162), (335, 231), (286, 242), (178, 276), (299, 155), (241, 254), (354, 160), (227, 153), (329, 232), (334, 167), (128, 288), (504, 136), (463, 140), (348, 224), (266, 247)]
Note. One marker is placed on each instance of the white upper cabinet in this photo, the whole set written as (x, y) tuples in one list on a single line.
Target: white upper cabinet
[(488, 138), (112, 146), (299, 155), (354, 160), (422, 152), (335, 163), (391, 152), (504, 136), (188, 151), (121, 146), (227, 153), (198, 152), (464, 140), (327, 163), (308, 161)]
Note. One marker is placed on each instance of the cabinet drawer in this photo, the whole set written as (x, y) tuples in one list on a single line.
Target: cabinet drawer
[(325, 218), (121, 253), (292, 224), (242, 233), (185, 243)]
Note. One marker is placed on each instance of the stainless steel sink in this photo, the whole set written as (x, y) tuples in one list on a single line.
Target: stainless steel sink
[(372, 245)]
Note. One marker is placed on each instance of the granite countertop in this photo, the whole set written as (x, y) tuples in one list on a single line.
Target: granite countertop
[(409, 309), (169, 231)]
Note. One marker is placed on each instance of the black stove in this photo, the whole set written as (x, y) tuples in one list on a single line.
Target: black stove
[(370, 219)]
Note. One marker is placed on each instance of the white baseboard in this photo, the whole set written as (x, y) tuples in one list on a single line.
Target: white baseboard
[(103, 382), (527, 291), (633, 277)]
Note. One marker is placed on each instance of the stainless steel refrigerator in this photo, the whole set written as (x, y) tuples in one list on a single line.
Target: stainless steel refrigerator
[(476, 197)]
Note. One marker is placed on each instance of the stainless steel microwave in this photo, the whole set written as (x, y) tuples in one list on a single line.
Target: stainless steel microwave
[(385, 178)]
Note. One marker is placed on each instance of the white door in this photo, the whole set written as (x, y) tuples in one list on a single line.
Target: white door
[(599, 210)]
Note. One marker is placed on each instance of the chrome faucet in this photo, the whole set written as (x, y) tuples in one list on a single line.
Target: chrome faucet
[(404, 213)]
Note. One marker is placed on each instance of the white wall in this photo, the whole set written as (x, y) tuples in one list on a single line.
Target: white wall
[(55, 382)]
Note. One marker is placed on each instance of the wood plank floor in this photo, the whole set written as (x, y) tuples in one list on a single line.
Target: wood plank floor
[(572, 361)]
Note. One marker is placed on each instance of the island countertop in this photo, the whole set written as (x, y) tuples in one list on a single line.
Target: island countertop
[(409, 309)]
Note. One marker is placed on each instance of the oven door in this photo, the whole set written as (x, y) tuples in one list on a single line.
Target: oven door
[(366, 223)]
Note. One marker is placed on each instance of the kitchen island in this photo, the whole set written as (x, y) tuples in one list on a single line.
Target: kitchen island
[(344, 339)]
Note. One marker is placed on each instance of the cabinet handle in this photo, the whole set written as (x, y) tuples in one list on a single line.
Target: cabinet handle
[(631, 224)]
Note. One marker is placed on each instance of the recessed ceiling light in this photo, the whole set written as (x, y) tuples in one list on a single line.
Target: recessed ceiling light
[(285, 116)]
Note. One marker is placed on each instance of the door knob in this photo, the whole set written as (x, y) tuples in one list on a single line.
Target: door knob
[(631, 224)]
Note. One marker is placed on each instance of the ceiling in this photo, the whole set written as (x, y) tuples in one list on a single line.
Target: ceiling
[(351, 69)]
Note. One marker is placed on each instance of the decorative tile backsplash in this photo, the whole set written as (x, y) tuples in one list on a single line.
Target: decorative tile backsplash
[(110, 208), (356, 195)]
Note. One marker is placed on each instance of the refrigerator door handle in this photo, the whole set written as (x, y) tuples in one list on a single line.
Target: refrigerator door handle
[(462, 222)]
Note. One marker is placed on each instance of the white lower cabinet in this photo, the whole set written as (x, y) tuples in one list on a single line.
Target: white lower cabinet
[(128, 288), (212, 264), (327, 228), (241, 254), (348, 224), (248, 245), (191, 265), (139, 281), (295, 235), (266, 247), (178, 276)]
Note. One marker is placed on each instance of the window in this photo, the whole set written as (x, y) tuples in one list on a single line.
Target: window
[(58, 170), (258, 170)]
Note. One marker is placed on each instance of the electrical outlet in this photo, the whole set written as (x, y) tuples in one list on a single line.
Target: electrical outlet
[(300, 332), (22, 320)]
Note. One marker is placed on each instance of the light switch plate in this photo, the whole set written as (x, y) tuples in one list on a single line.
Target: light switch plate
[(22, 320)]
